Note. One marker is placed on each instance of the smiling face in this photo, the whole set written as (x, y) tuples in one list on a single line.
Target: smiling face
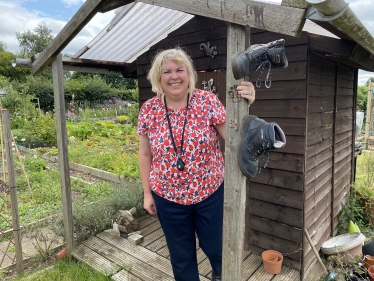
[(174, 80)]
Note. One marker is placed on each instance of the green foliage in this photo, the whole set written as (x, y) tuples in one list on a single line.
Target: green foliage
[(362, 93), (35, 41), (352, 211), (29, 125), (7, 69), (41, 128), (67, 269), (364, 183), (3, 46), (35, 164), (133, 114), (19, 104), (90, 219), (123, 119), (41, 88), (358, 209), (89, 88), (45, 186), (106, 146)]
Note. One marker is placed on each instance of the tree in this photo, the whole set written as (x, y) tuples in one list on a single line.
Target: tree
[(362, 94), (7, 69), (35, 41), (3, 46)]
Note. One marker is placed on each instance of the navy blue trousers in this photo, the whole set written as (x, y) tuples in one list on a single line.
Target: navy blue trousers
[(181, 222)]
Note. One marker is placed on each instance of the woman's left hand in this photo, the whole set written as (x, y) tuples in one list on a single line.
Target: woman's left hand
[(247, 91)]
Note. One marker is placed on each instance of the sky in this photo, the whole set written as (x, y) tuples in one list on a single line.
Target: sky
[(23, 15)]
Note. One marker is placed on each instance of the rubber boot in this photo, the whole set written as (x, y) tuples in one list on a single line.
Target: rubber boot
[(259, 137)]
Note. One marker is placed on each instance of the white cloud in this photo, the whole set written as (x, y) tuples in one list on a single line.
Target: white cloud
[(92, 29), (70, 3), (363, 77), (20, 19)]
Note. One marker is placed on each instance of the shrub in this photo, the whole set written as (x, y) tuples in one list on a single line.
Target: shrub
[(90, 219), (123, 119)]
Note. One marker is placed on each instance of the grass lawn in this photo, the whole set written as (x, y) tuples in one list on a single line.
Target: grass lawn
[(65, 270)]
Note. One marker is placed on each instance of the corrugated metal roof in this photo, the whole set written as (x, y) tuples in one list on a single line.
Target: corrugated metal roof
[(138, 26), (134, 29)]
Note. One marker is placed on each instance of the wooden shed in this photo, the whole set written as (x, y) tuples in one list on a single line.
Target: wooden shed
[(313, 100)]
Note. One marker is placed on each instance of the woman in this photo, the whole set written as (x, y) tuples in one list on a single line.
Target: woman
[(181, 165)]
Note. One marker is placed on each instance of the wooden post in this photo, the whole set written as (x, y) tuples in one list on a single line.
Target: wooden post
[(13, 190), (368, 114), (235, 181), (62, 144)]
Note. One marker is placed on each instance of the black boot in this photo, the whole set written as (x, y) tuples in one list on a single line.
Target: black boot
[(257, 56), (260, 137), (215, 278)]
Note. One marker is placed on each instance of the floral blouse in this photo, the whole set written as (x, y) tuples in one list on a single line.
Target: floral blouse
[(204, 169)]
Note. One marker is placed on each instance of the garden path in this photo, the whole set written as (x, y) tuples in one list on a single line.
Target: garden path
[(122, 261)]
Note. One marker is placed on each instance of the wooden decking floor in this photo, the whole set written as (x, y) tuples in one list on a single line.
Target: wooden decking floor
[(117, 258)]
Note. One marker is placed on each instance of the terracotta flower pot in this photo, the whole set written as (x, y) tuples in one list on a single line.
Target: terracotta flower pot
[(272, 261), (371, 273), (368, 261), (61, 255)]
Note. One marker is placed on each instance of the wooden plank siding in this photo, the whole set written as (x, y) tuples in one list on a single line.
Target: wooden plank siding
[(328, 158), (276, 194)]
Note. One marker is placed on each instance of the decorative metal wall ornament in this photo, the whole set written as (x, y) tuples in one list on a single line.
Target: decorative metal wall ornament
[(210, 51), (235, 97), (208, 86)]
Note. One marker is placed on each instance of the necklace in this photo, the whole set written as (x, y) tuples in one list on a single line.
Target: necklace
[(180, 163)]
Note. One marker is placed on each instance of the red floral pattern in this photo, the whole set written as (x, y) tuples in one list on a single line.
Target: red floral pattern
[(204, 169)]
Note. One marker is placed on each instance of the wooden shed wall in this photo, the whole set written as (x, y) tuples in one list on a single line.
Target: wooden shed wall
[(198, 30), (295, 190), (276, 194), (328, 159)]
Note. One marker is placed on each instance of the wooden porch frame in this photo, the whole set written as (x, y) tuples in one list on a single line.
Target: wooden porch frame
[(238, 14)]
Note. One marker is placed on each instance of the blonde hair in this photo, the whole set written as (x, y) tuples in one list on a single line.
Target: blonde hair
[(178, 56)]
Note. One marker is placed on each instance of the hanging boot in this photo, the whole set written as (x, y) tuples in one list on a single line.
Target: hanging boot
[(259, 137), (215, 278), (258, 56)]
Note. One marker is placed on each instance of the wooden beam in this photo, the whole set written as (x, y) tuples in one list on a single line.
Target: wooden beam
[(62, 145), (90, 69), (88, 62), (275, 18), (235, 182), (98, 66), (86, 12), (295, 3), (114, 4), (362, 57)]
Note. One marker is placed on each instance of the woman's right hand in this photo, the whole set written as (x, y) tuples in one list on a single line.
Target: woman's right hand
[(149, 204)]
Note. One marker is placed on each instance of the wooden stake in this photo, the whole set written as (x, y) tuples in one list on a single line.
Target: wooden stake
[(13, 190), (315, 251), (23, 170)]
